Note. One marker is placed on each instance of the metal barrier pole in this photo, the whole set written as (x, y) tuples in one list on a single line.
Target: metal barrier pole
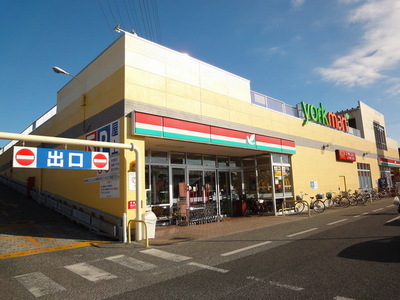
[(129, 231), (283, 207), (124, 228), (294, 201)]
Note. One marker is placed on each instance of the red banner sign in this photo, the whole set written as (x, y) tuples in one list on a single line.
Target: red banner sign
[(343, 155)]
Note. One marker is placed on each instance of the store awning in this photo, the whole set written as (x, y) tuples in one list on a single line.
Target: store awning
[(176, 129), (389, 162)]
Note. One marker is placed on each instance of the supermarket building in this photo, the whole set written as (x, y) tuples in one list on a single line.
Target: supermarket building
[(209, 142)]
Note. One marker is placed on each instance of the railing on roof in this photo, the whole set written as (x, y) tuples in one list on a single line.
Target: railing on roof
[(43, 119), (280, 106), (273, 104)]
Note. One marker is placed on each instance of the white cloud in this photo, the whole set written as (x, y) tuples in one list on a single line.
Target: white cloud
[(378, 50), (349, 1), (297, 3)]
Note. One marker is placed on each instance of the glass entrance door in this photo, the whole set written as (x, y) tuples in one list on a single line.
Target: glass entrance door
[(178, 176), (229, 191), (210, 193), (196, 183), (224, 193)]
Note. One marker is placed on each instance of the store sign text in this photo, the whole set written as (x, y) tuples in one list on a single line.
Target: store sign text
[(343, 155), (320, 115)]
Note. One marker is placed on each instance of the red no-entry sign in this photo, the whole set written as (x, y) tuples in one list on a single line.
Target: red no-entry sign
[(25, 158), (100, 161)]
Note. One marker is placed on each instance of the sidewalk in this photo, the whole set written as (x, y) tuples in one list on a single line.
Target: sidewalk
[(172, 234)]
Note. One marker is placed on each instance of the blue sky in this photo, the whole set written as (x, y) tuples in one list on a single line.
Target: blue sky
[(336, 51)]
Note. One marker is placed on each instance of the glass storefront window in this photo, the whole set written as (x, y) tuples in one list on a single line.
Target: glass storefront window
[(194, 159), (209, 186), (196, 184), (209, 160), (263, 160), (264, 182), (147, 179), (216, 178), (235, 162), (178, 176), (248, 162), (159, 157), (250, 183), (159, 185), (236, 188), (278, 181), (287, 181), (276, 158), (222, 161), (285, 159), (147, 156), (178, 158)]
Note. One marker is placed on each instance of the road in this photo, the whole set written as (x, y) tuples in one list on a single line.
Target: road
[(341, 254)]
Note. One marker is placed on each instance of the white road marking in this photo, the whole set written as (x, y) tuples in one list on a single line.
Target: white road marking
[(339, 221), (166, 255), (89, 272), (342, 298), (394, 219), (208, 267), (301, 232), (131, 262), (377, 209), (39, 284), (286, 286), (245, 248)]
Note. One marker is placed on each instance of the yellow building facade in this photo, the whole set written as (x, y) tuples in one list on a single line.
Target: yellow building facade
[(207, 142)]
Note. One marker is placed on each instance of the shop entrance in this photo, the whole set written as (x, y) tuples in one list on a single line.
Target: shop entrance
[(229, 190), (224, 193), (202, 186), (217, 184)]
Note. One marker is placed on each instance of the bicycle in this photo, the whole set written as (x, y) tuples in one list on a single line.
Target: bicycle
[(256, 207), (317, 205), (332, 199), (252, 207), (356, 198), (262, 207), (367, 194), (374, 195)]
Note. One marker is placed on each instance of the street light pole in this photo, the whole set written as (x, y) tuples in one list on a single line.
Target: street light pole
[(118, 29), (58, 70)]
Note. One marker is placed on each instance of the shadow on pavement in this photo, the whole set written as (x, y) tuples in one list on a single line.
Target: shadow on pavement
[(381, 250), (20, 216)]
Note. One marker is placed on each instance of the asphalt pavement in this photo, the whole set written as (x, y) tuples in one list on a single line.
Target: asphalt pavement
[(28, 228)]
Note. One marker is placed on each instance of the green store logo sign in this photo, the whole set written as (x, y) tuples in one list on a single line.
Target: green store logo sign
[(321, 116)]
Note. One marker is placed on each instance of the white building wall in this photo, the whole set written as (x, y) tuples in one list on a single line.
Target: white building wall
[(156, 59)]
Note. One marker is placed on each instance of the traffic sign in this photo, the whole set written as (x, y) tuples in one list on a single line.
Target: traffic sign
[(100, 160), (31, 157), (24, 157)]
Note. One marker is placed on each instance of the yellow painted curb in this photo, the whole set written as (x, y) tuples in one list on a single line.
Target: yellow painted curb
[(50, 249)]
